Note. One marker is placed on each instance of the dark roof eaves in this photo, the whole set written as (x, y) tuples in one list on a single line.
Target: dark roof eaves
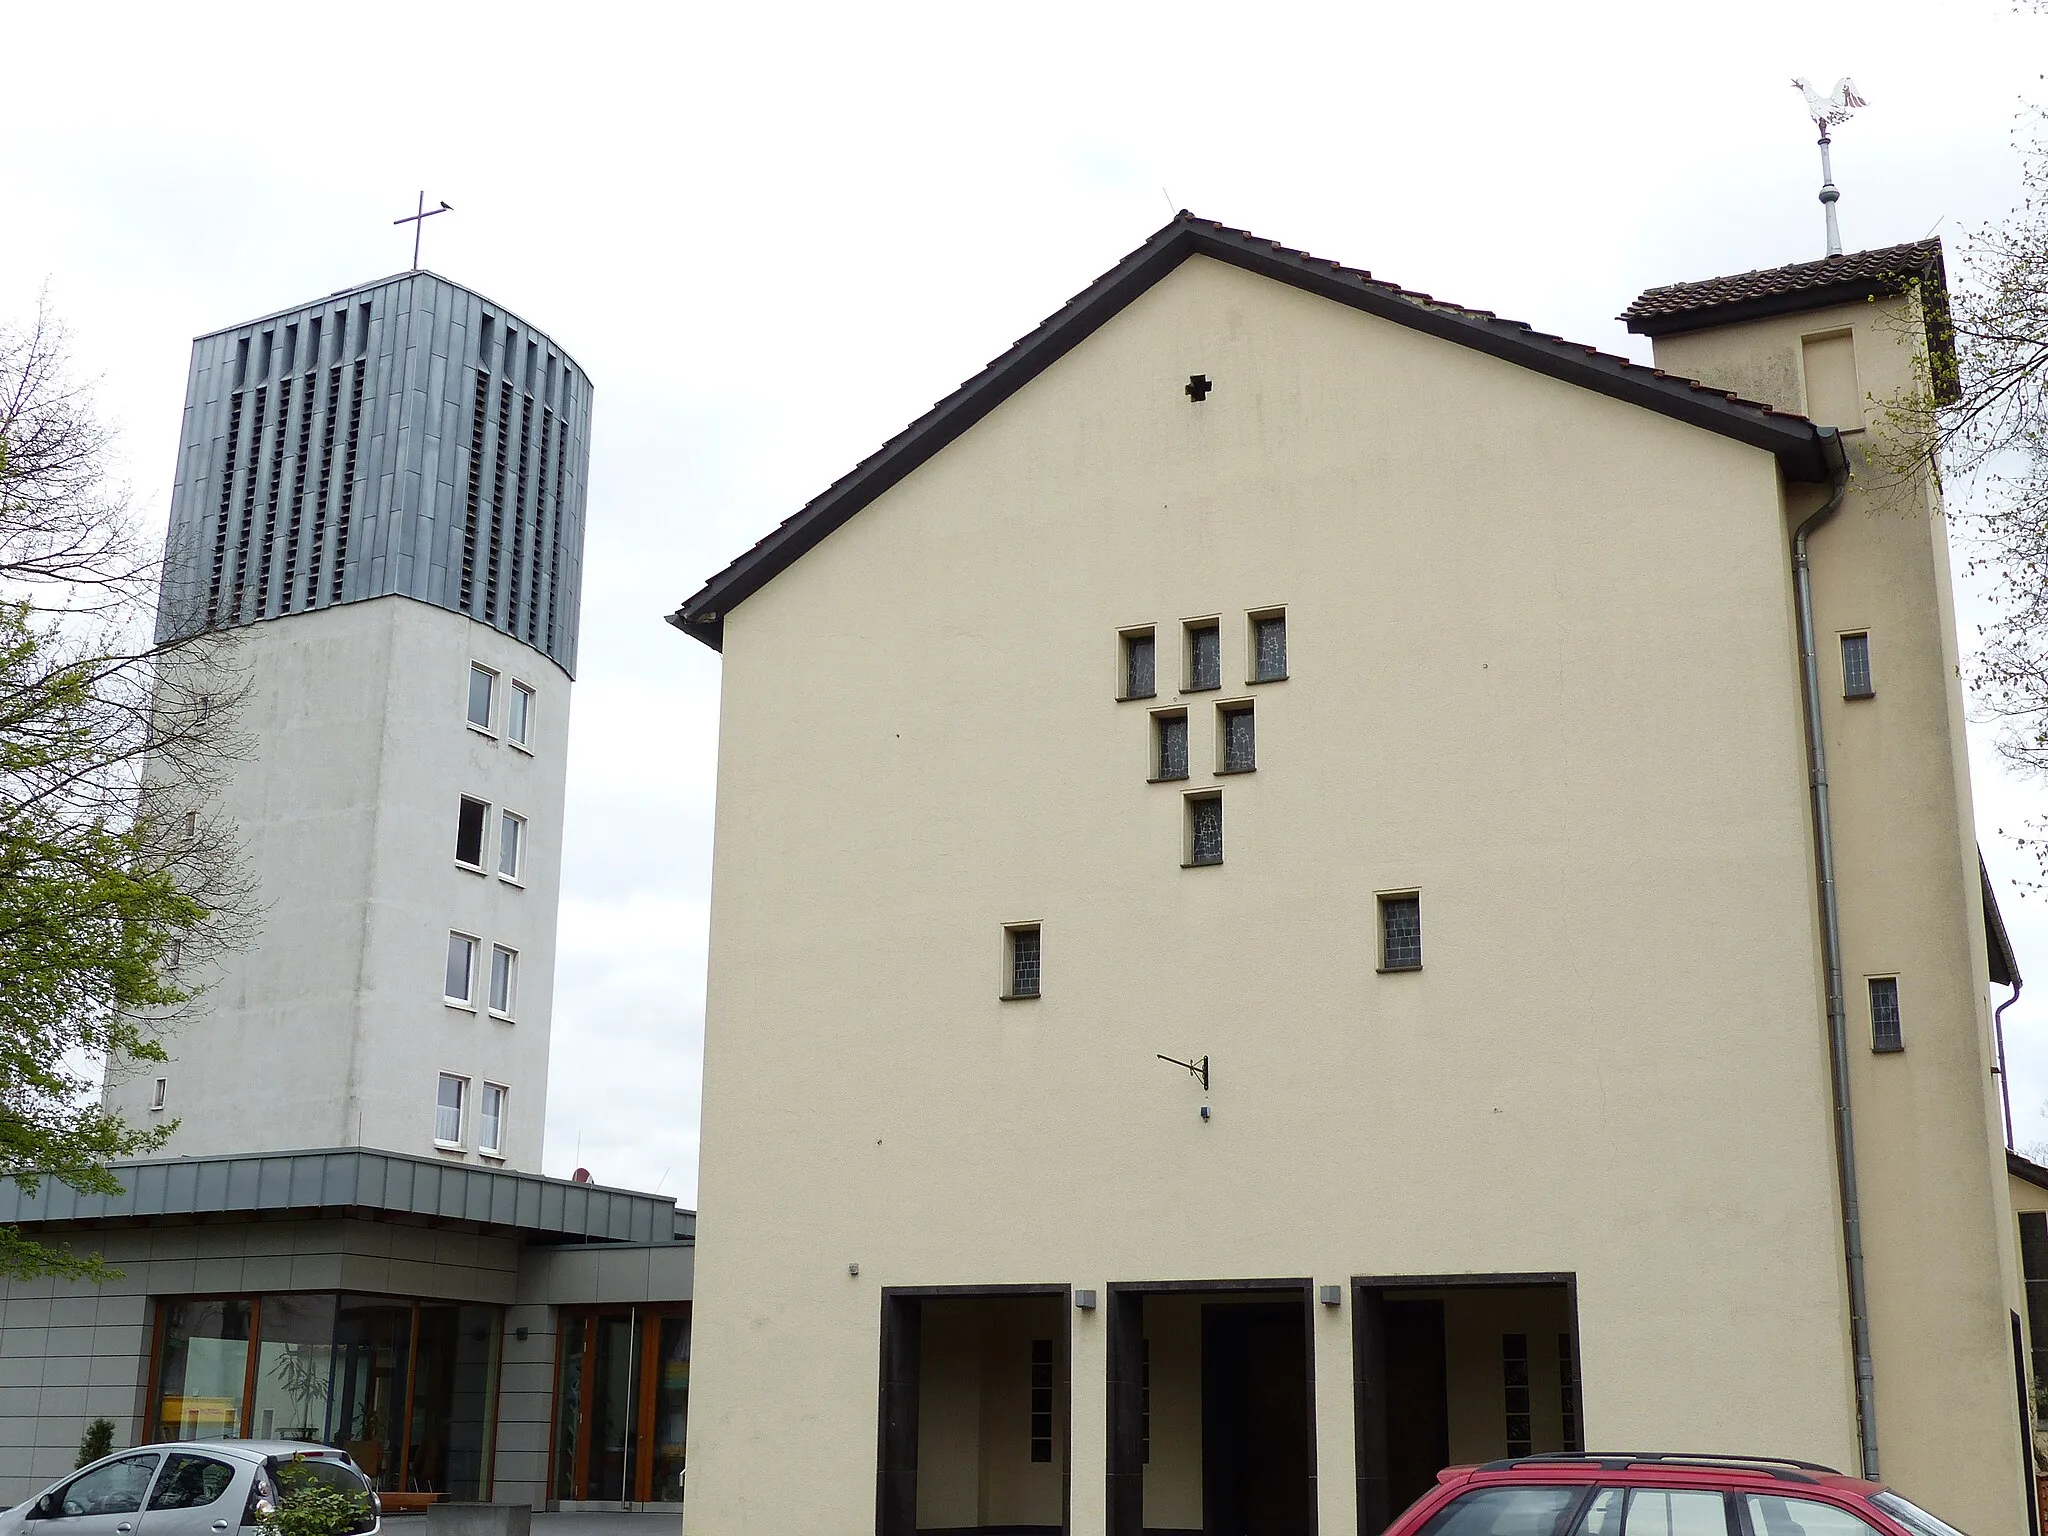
[(1793, 440)]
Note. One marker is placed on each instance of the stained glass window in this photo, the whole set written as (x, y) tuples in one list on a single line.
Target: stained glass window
[(1856, 667), (1138, 666), (1205, 830), (1024, 962), (1239, 753), (1269, 648), (1205, 657), (1400, 933), (1886, 1031), (1171, 761)]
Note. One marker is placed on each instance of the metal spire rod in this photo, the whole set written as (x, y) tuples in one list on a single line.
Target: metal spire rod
[(1828, 195), (418, 221)]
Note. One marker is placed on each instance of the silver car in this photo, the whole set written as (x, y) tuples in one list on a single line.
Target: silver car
[(187, 1488)]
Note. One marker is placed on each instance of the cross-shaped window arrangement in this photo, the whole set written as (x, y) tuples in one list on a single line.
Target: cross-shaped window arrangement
[(1198, 387)]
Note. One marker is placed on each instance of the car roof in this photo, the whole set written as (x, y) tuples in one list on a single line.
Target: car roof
[(1668, 1470), (252, 1450)]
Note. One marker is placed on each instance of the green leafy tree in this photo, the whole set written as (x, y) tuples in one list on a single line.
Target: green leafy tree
[(313, 1502), (118, 887)]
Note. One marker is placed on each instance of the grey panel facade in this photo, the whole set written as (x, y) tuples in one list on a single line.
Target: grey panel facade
[(407, 437)]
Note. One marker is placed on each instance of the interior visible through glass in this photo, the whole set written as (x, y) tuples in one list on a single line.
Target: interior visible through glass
[(203, 1370)]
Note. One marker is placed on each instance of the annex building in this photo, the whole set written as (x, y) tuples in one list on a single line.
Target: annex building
[(1389, 889), (347, 1237)]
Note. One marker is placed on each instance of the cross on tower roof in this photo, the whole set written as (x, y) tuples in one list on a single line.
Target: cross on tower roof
[(417, 220)]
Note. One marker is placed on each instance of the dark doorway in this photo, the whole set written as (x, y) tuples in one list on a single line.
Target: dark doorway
[(1418, 1400), (1256, 1476)]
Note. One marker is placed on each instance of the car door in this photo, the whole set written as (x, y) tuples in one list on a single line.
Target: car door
[(196, 1495), (105, 1500)]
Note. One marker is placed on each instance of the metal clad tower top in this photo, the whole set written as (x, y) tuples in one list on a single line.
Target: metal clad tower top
[(407, 437)]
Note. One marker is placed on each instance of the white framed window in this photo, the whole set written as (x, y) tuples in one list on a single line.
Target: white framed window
[(1135, 670), (483, 696), (1268, 636), (511, 846), (156, 1096), (519, 715), (504, 980), (448, 1110), (1236, 739), (472, 827), (1400, 930), (460, 986), (1022, 969), (1204, 655), (1204, 842), (490, 1121)]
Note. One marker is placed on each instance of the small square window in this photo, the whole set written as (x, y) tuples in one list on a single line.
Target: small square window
[(1887, 1032), (1021, 961), (1138, 679), (1269, 646), (519, 715), (460, 986), (1170, 745), (1237, 740), (1401, 932), (1856, 667), (504, 980), (1205, 657), (470, 821), (511, 845), (490, 1122), (483, 690), (1205, 829), (448, 1110)]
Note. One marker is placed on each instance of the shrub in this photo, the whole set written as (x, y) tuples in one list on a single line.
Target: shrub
[(98, 1442)]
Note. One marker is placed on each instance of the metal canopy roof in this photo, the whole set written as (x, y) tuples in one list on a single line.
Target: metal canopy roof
[(361, 1182)]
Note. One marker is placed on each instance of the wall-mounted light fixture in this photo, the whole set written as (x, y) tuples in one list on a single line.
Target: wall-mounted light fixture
[(1084, 1301), (1333, 1295)]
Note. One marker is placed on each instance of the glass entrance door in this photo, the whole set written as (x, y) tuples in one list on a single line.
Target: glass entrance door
[(622, 1389)]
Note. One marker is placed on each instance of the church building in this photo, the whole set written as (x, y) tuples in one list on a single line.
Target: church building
[(1313, 883)]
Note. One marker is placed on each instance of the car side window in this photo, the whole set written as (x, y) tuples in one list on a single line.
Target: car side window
[(1603, 1514), (114, 1489), (1497, 1511), (1675, 1512), (191, 1481), (1772, 1516)]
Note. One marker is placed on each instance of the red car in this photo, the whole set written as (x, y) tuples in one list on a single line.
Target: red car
[(1670, 1494)]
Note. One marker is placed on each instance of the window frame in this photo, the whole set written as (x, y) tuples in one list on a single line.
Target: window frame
[(461, 1111), (1869, 689), (1124, 637), (1252, 619), (1187, 856), (531, 695), (1225, 710), (1154, 770), (478, 669), (1870, 986), (482, 866), (1011, 932), (1189, 628), (511, 1006), (1381, 902), (517, 875), (504, 1096), (467, 1001)]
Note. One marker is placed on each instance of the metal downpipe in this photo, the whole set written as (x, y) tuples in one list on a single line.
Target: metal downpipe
[(1831, 942), (1998, 1035)]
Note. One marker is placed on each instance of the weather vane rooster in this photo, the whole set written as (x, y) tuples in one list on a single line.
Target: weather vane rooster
[(1826, 112)]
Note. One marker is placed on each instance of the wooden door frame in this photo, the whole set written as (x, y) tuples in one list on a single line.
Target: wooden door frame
[(641, 1410)]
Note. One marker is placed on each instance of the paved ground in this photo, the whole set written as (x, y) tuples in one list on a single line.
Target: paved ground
[(608, 1522)]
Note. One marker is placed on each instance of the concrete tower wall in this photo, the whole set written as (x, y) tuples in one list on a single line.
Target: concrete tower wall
[(331, 1030), (405, 437)]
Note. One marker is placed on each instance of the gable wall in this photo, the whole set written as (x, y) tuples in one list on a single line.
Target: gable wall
[(1540, 646)]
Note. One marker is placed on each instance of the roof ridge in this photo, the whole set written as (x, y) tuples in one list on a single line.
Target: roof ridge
[(1188, 234)]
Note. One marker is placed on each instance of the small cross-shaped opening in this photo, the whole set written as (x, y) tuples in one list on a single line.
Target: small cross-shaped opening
[(1198, 387)]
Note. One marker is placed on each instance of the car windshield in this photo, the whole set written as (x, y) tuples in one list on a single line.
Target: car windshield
[(1912, 1516)]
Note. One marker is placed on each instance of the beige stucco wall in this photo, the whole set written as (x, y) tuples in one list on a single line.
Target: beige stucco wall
[(1540, 646)]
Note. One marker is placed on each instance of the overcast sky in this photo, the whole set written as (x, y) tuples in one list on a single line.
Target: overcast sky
[(773, 234)]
